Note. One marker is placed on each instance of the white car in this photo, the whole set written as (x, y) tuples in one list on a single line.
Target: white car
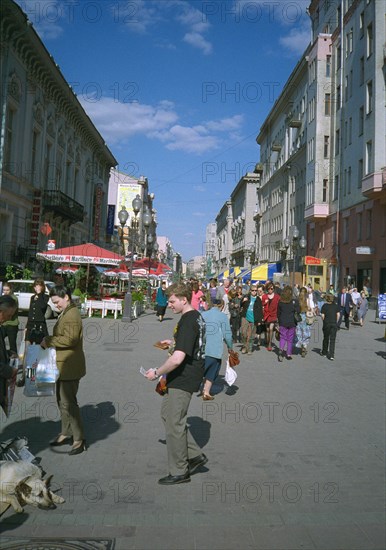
[(23, 290)]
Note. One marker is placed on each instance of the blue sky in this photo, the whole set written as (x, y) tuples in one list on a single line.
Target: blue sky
[(178, 89)]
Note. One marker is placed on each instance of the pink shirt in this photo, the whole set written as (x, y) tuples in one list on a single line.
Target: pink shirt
[(195, 301)]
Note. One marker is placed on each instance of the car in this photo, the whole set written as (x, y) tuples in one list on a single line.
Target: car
[(23, 289)]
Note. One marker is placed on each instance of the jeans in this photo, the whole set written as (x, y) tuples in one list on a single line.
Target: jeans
[(329, 337)]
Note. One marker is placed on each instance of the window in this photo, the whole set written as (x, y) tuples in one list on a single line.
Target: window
[(326, 148), (327, 104), (350, 131), (35, 137), (370, 41), (337, 142), (369, 157), (346, 88), (361, 24), (338, 57), (338, 98), (349, 42), (8, 140), (360, 173), (349, 180), (345, 135), (345, 182), (345, 229), (47, 166), (350, 83), (325, 190), (361, 119), (328, 65), (361, 71), (336, 187), (369, 224), (369, 97), (359, 226)]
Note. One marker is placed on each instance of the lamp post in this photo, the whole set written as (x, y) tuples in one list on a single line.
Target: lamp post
[(123, 216), (295, 244)]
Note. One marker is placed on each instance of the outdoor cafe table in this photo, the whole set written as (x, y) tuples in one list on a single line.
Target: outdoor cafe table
[(104, 306)]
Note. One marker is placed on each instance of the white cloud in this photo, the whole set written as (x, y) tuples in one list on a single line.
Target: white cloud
[(198, 41), (199, 188), (296, 41), (45, 16), (121, 121)]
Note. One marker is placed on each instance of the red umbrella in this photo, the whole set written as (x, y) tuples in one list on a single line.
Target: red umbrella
[(88, 253)]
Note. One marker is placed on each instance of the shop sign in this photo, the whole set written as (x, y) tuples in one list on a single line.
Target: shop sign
[(364, 250), (310, 260)]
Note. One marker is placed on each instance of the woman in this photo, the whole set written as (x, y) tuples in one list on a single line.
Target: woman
[(196, 295), (270, 302), (362, 308), (251, 317), (286, 316), (235, 297), (11, 327), (330, 314), (303, 330), (212, 291), (36, 328), (67, 339), (161, 301)]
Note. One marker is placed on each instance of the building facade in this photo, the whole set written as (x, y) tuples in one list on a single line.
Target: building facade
[(55, 165), (322, 148)]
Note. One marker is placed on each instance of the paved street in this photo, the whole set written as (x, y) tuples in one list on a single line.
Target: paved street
[(296, 450)]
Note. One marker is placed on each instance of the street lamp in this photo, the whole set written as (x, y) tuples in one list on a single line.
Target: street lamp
[(295, 244), (123, 217)]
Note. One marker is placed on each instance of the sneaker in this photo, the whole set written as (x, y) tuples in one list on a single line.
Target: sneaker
[(280, 357), (303, 352), (323, 354), (331, 359), (289, 357), (244, 350), (249, 352)]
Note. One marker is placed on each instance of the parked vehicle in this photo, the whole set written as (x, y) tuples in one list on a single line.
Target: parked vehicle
[(23, 290)]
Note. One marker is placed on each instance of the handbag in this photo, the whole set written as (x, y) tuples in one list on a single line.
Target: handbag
[(233, 358), (277, 332), (310, 318)]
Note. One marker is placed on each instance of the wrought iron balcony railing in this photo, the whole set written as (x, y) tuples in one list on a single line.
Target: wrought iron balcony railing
[(63, 205)]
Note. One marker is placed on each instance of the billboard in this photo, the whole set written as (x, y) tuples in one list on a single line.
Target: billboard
[(126, 193)]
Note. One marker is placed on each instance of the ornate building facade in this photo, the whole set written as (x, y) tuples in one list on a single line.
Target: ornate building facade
[(54, 164)]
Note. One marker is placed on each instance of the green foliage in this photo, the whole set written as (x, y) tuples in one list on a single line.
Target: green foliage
[(10, 273), (82, 295), (137, 296), (27, 273)]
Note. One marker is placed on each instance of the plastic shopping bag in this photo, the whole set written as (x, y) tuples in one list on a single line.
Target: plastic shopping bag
[(40, 371), (230, 375), (47, 371)]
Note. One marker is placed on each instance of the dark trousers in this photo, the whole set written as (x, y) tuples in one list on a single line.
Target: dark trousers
[(329, 337), (66, 391), (11, 331), (343, 313)]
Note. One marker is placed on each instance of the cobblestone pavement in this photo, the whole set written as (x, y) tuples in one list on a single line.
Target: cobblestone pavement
[(296, 450)]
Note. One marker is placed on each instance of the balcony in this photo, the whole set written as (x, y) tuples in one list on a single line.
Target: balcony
[(374, 185), (63, 205), (317, 212), (294, 122), (276, 147)]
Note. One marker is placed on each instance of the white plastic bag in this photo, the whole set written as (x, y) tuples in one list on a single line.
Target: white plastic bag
[(47, 371), (230, 375)]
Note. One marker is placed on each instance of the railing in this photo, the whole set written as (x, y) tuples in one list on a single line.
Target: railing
[(63, 205)]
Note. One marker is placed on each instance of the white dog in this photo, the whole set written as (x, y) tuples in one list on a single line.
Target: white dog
[(21, 483)]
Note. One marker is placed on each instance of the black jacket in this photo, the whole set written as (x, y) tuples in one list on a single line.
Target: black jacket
[(286, 313), (5, 370), (257, 309)]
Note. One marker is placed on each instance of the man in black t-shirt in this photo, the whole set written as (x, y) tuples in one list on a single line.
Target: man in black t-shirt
[(330, 313), (184, 370)]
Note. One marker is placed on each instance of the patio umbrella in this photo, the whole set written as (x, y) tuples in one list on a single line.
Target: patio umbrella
[(82, 254), (66, 269)]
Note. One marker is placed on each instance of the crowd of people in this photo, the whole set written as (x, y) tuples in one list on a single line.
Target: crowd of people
[(251, 315)]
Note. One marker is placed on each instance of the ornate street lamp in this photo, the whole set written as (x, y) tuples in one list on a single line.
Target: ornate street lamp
[(295, 244), (127, 315)]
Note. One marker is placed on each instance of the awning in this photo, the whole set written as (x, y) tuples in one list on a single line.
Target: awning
[(262, 273), (229, 273), (87, 253)]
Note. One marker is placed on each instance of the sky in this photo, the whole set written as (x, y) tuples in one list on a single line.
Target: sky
[(178, 89)]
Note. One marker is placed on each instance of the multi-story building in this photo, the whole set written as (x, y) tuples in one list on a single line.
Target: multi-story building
[(323, 148), (237, 227), (54, 164)]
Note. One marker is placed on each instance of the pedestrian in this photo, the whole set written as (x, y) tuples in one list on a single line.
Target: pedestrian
[(184, 370), (11, 327), (222, 294), (251, 315), (217, 331), (355, 296), (286, 316), (235, 297), (8, 308), (362, 308), (36, 328), (330, 314), (213, 291), (303, 329), (161, 301), (196, 295), (331, 290), (345, 304), (270, 303), (67, 339)]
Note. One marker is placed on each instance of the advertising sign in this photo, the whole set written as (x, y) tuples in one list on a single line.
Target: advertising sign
[(382, 306), (51, 244), (125, 196), (310, 260), (110, 219)]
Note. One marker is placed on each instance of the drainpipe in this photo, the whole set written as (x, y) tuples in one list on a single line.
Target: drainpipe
[(342, 46)]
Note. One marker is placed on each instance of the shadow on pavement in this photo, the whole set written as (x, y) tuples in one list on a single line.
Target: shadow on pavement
[(200, 430)]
